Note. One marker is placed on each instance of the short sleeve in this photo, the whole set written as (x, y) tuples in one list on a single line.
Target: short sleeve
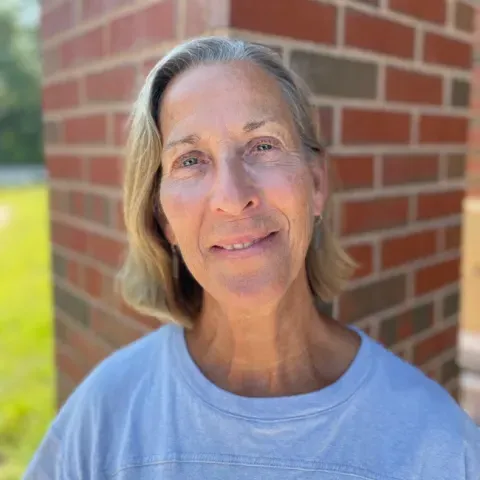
[(70, 449), (46, 464), (472, 457)]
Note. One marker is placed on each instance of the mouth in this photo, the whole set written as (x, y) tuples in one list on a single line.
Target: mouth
[(237, 246)]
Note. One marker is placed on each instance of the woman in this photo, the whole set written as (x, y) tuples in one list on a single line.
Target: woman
[(228, 221)]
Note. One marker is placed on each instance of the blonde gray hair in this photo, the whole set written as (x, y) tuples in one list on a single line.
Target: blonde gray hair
[(146, 279)]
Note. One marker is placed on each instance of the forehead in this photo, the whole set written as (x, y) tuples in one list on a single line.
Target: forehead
[(222, 95)]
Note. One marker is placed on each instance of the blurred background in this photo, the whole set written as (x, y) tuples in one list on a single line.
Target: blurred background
[(395, 86)]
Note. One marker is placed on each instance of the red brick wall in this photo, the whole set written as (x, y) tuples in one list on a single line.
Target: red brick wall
[(391, 82)]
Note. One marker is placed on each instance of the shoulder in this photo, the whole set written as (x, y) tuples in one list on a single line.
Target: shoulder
[(418, 419), (408, 389), (107, 401), (128, 370), (420, 402)]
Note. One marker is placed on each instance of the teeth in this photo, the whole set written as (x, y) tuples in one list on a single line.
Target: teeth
[(238, 246)]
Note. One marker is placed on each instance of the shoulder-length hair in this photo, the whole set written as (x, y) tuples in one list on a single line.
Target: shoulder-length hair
[(146, 279)]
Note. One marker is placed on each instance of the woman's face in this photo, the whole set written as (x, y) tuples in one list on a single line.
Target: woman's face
[(238, 194)]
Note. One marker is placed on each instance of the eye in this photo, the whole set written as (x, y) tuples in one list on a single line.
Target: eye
[(189, 162), (263, 147)]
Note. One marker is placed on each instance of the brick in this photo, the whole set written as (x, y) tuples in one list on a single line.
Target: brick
[(367, 215), (148, 65), (120, 124), (87, 129), (51, 62), (70, 365), (77, 203), (326, 116), (93, 281), (334, 76), (112, 85), (413, 87), (57, 19), (460, 94), (151, 323), (398, 251), (443, 129), (433, 277), (69, 237), (432, 346), (362, 254), (58, 200), (451, 305), (455, 165), (374, 127), (116, 331), (372, 298), (439, 204), (57, 96), (443, 50), (64, 166), (373, 3), (400, 327), (205, 15), (105, 249), (75, 307), (378, 34), (64, 388), (353, 171), (86, 47), (452, 237), (97, 209), (52, 132), (60, 328), (75, 273), (105, 170), (302, 20), (89, 349), (406, 169), (59, 264), (142, 28), (448, 371), (473, 160), (95, 8), (464, 17), (118, 216), (428, 10)]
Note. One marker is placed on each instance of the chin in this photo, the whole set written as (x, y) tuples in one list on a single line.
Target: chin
[(250, 291)]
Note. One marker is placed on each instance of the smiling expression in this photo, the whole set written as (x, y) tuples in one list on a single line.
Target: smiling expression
[(238, 191)]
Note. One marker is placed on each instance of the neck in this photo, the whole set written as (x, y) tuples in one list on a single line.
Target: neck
[(284, 349)]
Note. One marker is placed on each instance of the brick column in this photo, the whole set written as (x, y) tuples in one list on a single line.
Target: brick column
[(390, 80), (469, 340)]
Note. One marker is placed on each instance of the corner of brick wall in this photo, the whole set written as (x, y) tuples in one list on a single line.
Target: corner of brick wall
[(391, 84)]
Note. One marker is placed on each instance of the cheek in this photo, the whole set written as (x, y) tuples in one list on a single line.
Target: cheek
[(181, 205), (291, 190)]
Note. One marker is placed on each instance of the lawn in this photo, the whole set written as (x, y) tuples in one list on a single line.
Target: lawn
[(26, 340)]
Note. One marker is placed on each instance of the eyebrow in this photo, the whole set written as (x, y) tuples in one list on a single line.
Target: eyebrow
[(193, 139), (188, 140)]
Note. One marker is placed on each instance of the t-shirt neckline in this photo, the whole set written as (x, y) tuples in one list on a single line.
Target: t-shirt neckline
[(272, 408)]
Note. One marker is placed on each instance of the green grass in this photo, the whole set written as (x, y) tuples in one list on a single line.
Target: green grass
[(26, 338)]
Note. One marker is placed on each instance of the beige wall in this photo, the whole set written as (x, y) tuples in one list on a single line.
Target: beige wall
[(469, 340)]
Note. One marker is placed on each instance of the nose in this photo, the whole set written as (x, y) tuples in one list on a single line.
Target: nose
[(234, 189)]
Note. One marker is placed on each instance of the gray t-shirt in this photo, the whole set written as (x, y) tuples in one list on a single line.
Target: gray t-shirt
[(147, 412)]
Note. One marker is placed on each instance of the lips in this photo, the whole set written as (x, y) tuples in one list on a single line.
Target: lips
[(241, 243)]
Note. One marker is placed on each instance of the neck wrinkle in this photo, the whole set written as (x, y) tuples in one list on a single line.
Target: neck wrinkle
[(274, 351)]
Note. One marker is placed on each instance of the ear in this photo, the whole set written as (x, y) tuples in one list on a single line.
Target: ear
[(318, 169)]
